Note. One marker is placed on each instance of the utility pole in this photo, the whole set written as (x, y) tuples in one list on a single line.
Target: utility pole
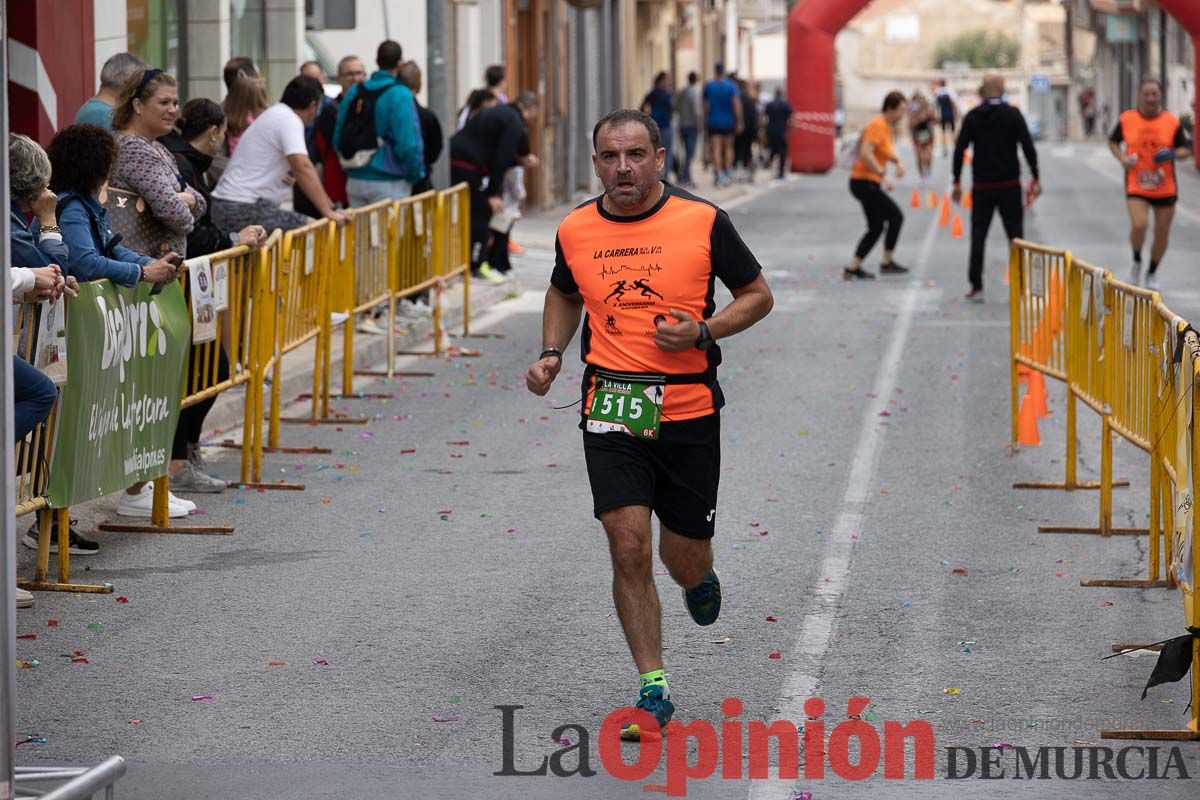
[(438, 83)]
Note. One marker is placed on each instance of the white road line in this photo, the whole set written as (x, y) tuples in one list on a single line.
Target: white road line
[(817, 629)]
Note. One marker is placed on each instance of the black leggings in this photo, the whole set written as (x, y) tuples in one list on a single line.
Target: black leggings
[(881, 210), (191, 419)]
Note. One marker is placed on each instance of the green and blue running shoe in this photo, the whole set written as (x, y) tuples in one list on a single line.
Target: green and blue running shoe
[(704, 600), (656, 701)]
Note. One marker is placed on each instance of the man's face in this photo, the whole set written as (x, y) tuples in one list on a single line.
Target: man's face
[(626, 163), (308, 115), (350, 73), (1150, 99)]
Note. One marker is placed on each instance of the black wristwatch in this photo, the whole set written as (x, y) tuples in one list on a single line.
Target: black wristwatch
[(705, 339), (550, 351)]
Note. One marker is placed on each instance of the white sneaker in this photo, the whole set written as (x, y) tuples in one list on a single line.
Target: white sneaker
[(142, 504), (414, 308), (369, 327), (1152, 281), (193, 479), (338, 317), (174, 500), (1135, 274), (24, 599)]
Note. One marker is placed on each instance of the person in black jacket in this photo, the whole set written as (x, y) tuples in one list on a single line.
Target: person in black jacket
[(995, 129), (431, 127), (492, 141), (198, 138)]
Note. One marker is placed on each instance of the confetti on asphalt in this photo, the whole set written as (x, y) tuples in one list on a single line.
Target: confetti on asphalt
[(95, 626), (31, 664), (276, 663), (958, 571), (451, 718), (198, 698), (771, 618), (951, 690), (79, 660), (52, 623), (321, 662), (726, 640), (122, 599), (27, 636), (776, 656)]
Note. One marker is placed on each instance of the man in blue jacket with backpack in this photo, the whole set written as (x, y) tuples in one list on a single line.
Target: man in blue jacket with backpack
[(378, 134)]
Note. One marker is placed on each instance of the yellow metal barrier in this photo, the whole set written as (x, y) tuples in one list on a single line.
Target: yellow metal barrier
[(366, 252), (33, 474), (455, 215)]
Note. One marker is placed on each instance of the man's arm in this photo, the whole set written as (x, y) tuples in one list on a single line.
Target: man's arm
[(1027, 147), (1182, 145), (965, 137), (1114, 145), (310, 183), (560, 320)]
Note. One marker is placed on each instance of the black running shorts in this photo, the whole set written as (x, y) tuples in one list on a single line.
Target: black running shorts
[(676, 476), (1157, 202)]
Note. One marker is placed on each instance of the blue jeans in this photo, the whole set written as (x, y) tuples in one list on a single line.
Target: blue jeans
[(33, 397), (363, 193), (690, 136)]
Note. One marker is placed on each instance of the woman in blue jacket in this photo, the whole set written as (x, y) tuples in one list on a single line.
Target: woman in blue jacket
[(81, 159)]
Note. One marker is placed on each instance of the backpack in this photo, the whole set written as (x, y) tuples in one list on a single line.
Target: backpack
[(358, 141), (848, 156)]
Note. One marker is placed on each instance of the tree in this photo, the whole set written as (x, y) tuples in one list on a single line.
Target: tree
[(980, 49)]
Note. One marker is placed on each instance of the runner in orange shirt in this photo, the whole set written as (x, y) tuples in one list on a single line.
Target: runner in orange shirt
[(642, 260), (868, 180), (1153, 140)]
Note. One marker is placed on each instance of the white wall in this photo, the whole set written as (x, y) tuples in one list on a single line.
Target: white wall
[(770, 59), (109, 25)]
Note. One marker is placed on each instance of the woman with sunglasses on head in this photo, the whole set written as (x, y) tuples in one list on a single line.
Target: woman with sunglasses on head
[(147, 110)]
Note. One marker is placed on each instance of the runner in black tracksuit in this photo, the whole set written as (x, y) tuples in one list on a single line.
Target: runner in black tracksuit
[(995, 129)]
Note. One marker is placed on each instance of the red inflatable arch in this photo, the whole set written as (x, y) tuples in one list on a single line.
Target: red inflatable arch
[(812, 26)]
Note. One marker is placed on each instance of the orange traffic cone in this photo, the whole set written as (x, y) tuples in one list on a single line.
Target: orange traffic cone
[(1023, 373), (1027, 430), (944, 216), (932, 199), (1037, 393), (967, 202), (956, 230), (916, 199)]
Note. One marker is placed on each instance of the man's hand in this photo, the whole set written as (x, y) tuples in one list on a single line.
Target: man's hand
[(956, 194), (530, 161), (71, 289), (1130, 162), (1035, 189), (899, 169), (188, 199), (497, 203), (162, 270), (338, 216), (45, 207), (542, 374), (888, 184), (677, 337), (252, 235)]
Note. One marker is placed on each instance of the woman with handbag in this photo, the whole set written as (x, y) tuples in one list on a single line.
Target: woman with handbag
[(81, 160), (198, 138), (146, 170)]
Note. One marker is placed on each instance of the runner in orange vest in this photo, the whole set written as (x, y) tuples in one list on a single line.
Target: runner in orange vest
[(1153, 141)]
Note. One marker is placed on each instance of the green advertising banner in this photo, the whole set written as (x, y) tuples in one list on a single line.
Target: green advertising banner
[(127, 351)]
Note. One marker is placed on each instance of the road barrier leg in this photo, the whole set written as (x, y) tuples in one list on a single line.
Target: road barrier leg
[(466, 302), (1105, 527), (347, 362), (41, 583)]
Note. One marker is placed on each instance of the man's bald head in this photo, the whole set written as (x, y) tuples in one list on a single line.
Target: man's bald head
[(410, 73), (993, 85)]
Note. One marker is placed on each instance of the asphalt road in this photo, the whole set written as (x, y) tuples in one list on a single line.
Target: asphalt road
[(444, 561)]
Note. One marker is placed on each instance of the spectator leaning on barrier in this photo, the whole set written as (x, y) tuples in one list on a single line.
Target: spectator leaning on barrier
[(115, 73), (272, 155), (491, 142), (148, 109), (201, 131), (82, 158), (398, 162), (198, 137), (431, 126)]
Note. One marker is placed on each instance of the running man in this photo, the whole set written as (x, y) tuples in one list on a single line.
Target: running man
[(868, 179), (947, 103), (994, 130), (1154, 140), (643, 287), (723, 120), (637, 464)]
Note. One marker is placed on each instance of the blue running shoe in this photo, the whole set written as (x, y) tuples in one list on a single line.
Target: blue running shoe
[(655, 701), (704, 600)]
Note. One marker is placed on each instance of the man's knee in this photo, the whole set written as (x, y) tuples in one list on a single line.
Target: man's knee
[(629, 542)]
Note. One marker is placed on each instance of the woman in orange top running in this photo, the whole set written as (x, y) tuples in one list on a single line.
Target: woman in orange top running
[(1153, 140), (868, 179)]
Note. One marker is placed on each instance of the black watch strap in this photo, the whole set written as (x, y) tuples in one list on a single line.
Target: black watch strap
[(551, 351), (704, 340)]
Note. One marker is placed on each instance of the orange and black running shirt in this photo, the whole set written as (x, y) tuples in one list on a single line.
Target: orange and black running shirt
[(1143, 137), (632, 270)]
